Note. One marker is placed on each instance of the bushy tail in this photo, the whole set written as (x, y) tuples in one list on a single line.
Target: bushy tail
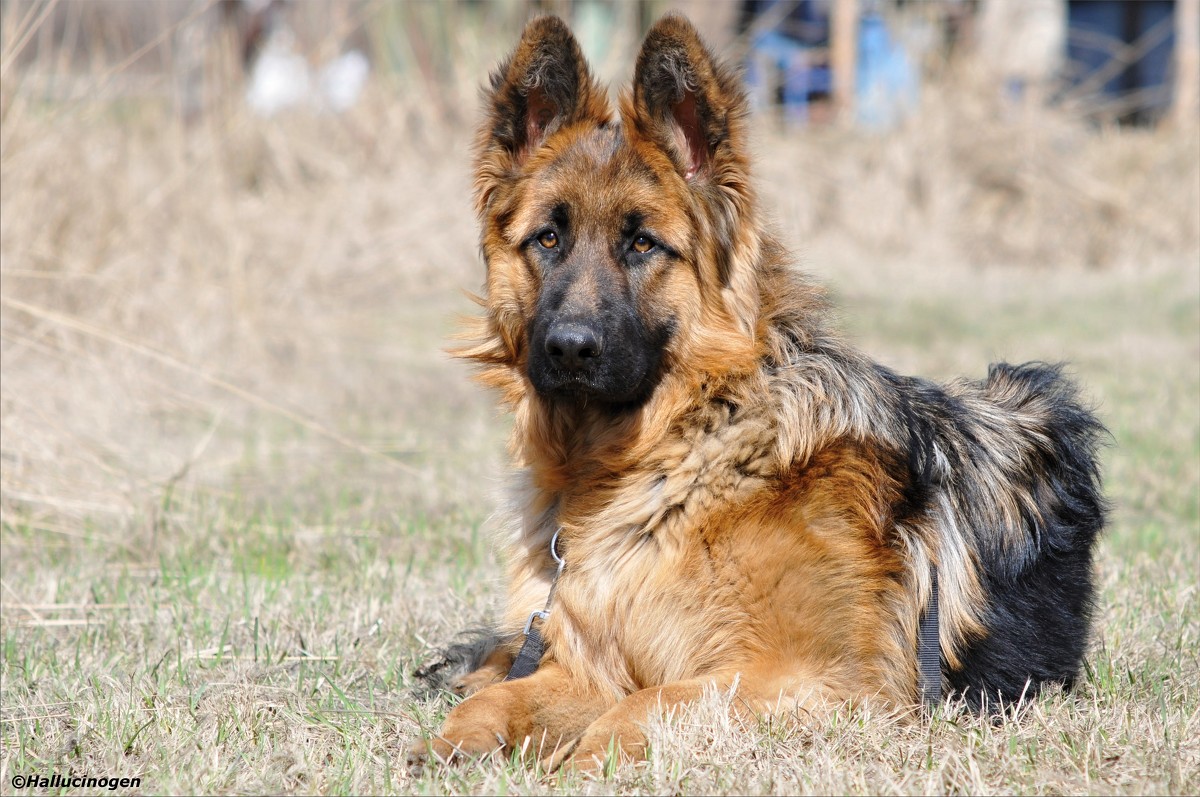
[(1035, 548)]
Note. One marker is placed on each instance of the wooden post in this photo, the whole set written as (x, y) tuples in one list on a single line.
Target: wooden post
[(1185, 104), (843, 55)]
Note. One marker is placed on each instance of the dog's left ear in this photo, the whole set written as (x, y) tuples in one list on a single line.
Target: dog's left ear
[(544, 85), (684, 100), (692, 108)]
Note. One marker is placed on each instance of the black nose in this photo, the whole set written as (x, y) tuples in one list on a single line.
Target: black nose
[(573, 346)]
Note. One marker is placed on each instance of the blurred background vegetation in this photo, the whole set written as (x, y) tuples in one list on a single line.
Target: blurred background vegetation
[(243, 490), (234, 230)]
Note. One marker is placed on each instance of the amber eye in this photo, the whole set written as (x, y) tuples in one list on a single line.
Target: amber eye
[(642, 244), (548, 239)]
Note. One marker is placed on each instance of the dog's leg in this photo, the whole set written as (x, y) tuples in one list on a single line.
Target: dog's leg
[(620, 730), (548, 709)]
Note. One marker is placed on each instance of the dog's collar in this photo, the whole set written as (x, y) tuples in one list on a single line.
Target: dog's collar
[(530, 655)]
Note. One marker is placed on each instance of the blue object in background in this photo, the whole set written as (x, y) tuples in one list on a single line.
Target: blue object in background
[(790, 49), (802, 79), (887, 84), (1097, 28)]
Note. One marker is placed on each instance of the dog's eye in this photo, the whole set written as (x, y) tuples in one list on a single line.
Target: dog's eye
[(642, 244), (548, 239)]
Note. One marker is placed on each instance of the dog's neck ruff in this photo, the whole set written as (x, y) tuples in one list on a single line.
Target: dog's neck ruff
[(530, 655)]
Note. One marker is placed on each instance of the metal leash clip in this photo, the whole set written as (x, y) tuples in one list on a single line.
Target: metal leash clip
[(554, 553), (529, 623), (543, 613), (530, 654)]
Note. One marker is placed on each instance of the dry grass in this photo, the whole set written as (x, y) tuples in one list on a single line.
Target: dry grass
[(999, 185), (243, 491)]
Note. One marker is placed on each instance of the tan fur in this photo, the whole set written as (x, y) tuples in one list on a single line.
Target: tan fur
[(736, 527)]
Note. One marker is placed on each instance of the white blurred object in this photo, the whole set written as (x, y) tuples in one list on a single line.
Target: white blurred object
[(342, 80), (281, 79), (1024, 40)]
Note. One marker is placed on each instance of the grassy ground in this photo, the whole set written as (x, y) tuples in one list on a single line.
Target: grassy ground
[(245, 493)]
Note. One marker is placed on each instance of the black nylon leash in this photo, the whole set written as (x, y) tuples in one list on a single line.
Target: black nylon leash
[(530, 655), (929, 646)]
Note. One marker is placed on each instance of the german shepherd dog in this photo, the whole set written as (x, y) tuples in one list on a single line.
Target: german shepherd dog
[(738, 498)]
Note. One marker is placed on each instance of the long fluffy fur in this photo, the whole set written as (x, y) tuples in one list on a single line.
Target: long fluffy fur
[(775, 504)]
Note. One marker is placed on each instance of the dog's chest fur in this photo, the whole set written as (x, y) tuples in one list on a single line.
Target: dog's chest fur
[(630, 621), (649, 575)]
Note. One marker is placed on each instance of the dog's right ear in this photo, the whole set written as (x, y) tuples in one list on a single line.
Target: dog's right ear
[(544, 85), (689, 103)]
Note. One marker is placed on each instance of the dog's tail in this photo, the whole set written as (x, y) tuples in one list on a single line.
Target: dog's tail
[(1024, 486), (1049, 465), (1005, 479)]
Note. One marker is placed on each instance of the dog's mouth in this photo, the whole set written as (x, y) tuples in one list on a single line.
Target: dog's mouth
[(560, 385)]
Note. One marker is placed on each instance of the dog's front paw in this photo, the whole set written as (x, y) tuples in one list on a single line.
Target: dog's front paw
[(453, 746), (474, 728), (556, 759), (599, 752)]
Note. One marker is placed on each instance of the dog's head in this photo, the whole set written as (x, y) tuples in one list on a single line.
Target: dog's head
[(617, 249)]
